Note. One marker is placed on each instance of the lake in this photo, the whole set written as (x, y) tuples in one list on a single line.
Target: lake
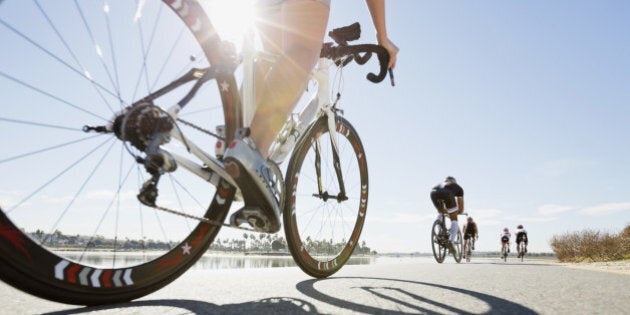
[(212, 260)]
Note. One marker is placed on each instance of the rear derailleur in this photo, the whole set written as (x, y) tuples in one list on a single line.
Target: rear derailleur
[(146, 127)]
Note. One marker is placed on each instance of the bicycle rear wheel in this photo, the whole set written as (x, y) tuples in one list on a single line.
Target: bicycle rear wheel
[(437, 241), (322, 222), (71, 227)]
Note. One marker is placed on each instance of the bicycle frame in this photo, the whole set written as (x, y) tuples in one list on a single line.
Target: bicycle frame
[(319, 105)]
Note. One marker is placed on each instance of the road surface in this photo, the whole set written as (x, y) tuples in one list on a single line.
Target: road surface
[(396, 286)]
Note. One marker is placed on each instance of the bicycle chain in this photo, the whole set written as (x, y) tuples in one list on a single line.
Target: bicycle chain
[(190, 216), (201, 129), (201, 219)]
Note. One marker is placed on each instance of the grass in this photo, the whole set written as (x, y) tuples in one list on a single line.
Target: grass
[(590, 246)]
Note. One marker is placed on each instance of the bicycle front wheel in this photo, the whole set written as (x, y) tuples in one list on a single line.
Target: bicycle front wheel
[(438, 239), (71, 227), (327, 195)]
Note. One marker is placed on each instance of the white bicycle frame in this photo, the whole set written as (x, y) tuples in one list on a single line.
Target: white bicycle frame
[(213, 170)]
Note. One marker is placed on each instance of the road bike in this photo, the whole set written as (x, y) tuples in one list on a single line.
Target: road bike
[(504, 251), (468, 248), (522, 248), (104, 136), (440, 241)]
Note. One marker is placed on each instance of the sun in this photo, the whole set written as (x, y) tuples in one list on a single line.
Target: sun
[(231, 18)]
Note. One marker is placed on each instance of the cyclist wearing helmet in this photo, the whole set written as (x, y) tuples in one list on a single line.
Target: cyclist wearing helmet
[(470, 232), (505, 239), (448, 197), (521, 236)]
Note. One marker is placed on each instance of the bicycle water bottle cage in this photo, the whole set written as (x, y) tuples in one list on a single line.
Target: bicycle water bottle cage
[(346, 34)]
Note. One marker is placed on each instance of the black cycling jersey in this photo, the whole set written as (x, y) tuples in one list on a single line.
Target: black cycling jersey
[(446, 192), (471, 228), (521, 236)]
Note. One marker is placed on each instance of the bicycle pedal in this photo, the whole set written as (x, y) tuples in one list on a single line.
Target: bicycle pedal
[(252, 216)]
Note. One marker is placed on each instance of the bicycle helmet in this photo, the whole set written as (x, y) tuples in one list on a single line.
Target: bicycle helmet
[(470, 219), (520, 226), (450, 179), (505, 230)]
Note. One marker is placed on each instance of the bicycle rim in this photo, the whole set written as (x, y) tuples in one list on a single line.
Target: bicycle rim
[(321, 231), (458, 248), (439, 251), (71, 227)]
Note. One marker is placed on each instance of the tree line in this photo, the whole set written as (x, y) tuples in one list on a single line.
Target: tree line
[(248, 242)]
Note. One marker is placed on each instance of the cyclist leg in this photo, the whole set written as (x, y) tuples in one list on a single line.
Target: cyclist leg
[(452, 212), (302, 29), (298, 38)]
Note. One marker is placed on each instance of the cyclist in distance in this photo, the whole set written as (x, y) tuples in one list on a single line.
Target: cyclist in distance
[(505, 239), (521, 236), (294, 31), (470, 232), (448, 197)]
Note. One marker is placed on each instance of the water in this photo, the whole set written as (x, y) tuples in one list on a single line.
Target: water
[(207, 261)]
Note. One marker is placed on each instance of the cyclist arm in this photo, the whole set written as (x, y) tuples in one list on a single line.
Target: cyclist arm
[(377, 11)]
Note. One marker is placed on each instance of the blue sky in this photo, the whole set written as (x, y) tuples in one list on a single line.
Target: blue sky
[(526, 103)]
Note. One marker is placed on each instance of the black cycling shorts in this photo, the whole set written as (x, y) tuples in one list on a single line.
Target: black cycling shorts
[(505, 239), (468, 236), (445, 196)]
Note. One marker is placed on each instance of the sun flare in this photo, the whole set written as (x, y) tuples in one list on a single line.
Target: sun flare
[(231, 18)]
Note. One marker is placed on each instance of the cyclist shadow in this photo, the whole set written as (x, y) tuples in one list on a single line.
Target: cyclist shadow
[(397, 292), (269, 305)]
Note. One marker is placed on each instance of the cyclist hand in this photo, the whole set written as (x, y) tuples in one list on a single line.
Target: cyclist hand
[(392, 49)]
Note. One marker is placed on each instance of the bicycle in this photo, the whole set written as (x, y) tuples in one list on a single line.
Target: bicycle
[(141, 181), (440, 240), (522, 248), (468, 248), (504, 251)]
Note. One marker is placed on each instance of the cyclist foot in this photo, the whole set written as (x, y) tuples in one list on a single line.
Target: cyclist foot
[(255, 179)]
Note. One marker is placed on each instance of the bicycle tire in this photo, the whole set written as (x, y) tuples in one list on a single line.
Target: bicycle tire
[(458, 247), (439, 251), (322, 231), (36, 209), (468, 254)]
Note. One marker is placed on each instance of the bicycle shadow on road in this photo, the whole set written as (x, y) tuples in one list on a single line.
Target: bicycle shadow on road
[(402, 299), (268, 305)]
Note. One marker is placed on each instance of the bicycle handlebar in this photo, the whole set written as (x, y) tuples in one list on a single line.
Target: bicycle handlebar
[(354, 52), (337, 54)]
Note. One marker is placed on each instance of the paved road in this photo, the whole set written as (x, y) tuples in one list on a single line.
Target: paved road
[(398, 286)]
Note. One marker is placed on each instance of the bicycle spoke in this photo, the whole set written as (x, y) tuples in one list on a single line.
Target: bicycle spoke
[(41, 91)]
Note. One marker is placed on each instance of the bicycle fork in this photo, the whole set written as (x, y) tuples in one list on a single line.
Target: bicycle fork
[(332, 131)]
